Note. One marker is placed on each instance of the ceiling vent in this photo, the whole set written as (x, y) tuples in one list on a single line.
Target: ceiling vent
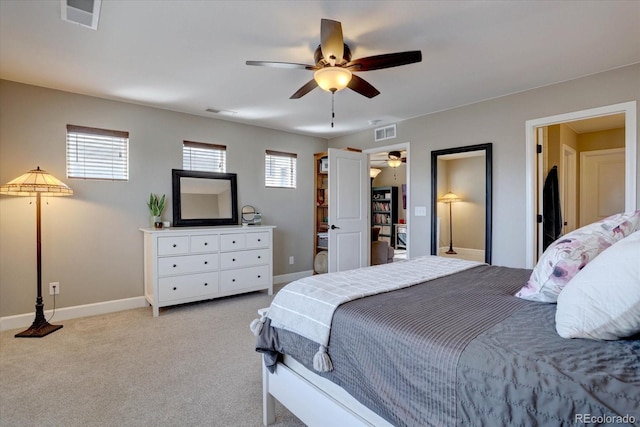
[(81, 12), (387, 132)]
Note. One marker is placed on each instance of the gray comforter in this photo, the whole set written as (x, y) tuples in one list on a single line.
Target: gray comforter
[(462, 350)]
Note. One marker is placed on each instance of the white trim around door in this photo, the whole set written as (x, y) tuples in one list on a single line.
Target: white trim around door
[(531, 126)]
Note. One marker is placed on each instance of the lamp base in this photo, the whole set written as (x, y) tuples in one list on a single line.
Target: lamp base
[(451, 252), (38, 330)]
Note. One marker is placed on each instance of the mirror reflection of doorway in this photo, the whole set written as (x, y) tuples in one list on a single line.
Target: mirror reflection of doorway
[(589, 156)]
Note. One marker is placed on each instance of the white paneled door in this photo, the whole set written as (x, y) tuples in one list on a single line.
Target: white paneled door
[(348, 210), (602, 193)]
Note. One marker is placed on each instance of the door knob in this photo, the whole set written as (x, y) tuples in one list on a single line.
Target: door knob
[(333, 227)]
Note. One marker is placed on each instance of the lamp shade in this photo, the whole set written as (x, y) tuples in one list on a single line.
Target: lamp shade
[(34, 182), (373, 172), (450, 198), (332, 79)]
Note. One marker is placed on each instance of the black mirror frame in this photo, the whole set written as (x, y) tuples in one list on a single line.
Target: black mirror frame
[(488, 200), (178, 221)]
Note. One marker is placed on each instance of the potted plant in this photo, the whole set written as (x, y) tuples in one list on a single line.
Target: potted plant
[(156, 206)]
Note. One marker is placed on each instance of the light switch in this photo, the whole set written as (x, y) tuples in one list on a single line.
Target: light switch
[(421, 211)]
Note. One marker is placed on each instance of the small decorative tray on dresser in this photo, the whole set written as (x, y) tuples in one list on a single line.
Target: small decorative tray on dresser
[(187, 264)]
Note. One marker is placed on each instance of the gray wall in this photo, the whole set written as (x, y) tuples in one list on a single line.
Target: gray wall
[(91, 242), (501, 121)]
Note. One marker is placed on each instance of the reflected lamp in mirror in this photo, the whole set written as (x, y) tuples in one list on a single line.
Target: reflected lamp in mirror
[(450, 198), (204, 198)]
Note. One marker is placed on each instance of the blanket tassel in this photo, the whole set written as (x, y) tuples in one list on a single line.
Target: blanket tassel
[(256, 324), (322, 361)]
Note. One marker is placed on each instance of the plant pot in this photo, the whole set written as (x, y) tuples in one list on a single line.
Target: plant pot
[(155, 221)]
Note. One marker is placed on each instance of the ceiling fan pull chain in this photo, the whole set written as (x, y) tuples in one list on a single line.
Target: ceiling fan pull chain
[(333, 114)]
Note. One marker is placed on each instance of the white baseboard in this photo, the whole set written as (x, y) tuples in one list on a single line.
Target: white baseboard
[(286, 278), (66, 313)]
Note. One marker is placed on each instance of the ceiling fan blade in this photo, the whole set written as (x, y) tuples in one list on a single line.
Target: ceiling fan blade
[(308, 87), (362, 87), (289, 65), (387, 60), (331, 40)]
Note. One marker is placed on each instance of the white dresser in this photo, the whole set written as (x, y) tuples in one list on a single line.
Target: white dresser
[(186, 264)]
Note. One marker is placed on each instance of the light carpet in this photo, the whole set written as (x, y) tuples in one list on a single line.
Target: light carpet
[(195, 365)]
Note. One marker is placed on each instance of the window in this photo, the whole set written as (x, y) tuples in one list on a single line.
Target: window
[(200, 156), (97, 153), (280, 169)]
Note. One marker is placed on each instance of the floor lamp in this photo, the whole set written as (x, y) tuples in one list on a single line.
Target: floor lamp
[(450, 198), (37, 183)]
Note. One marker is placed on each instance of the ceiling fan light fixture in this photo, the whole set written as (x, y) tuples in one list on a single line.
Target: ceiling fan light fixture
[(332, 79), (395, 159)]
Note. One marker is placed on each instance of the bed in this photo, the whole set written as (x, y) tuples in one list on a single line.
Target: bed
[(457, 349)]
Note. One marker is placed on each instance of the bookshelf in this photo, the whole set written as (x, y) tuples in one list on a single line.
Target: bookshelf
[(321, 211), (384, 212)]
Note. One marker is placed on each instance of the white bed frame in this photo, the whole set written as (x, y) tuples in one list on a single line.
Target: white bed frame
[(311, 402)]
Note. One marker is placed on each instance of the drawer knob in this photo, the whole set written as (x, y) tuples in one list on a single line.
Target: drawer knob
[(259, 257), (233, 280), (175, 289), (174, 266), (233, 259), (234, 242), (206, 262), (259, 240), (259, 276), (205, 243), (206, 284), (174, 245)]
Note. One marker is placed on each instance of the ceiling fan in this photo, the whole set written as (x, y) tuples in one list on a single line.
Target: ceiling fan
[(333, 65)]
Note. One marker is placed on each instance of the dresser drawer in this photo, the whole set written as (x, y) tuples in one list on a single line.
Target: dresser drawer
[(187, 264), (189, 286), (257, 240), (230, 260), (173, 245), (206, 243), (232, 242), (244, 278)]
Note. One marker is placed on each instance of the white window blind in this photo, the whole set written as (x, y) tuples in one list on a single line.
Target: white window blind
[(280, 169), (97, 153), (200, 156)]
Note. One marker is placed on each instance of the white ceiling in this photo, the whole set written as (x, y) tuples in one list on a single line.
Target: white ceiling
[(190, 55)]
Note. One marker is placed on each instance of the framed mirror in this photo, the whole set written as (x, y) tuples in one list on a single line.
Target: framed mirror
[(461, 185), (204, 198)]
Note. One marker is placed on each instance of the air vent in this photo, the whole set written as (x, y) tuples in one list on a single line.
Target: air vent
[(387, 132), (81, 12)]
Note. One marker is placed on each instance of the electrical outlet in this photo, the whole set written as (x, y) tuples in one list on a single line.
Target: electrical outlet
[(54, 288), (291, 259)]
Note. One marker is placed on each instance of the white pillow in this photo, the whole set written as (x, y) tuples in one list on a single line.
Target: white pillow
[(602, 301)]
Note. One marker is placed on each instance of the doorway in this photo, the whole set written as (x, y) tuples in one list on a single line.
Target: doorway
[(561, 145), (389, 178)]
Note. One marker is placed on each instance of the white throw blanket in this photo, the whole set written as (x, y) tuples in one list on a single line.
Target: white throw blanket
[(306, 306)]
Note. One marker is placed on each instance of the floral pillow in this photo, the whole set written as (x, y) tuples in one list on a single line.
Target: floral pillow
[(565, 257)]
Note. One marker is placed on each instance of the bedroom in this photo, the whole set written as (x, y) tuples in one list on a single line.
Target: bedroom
[(108, 215)]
